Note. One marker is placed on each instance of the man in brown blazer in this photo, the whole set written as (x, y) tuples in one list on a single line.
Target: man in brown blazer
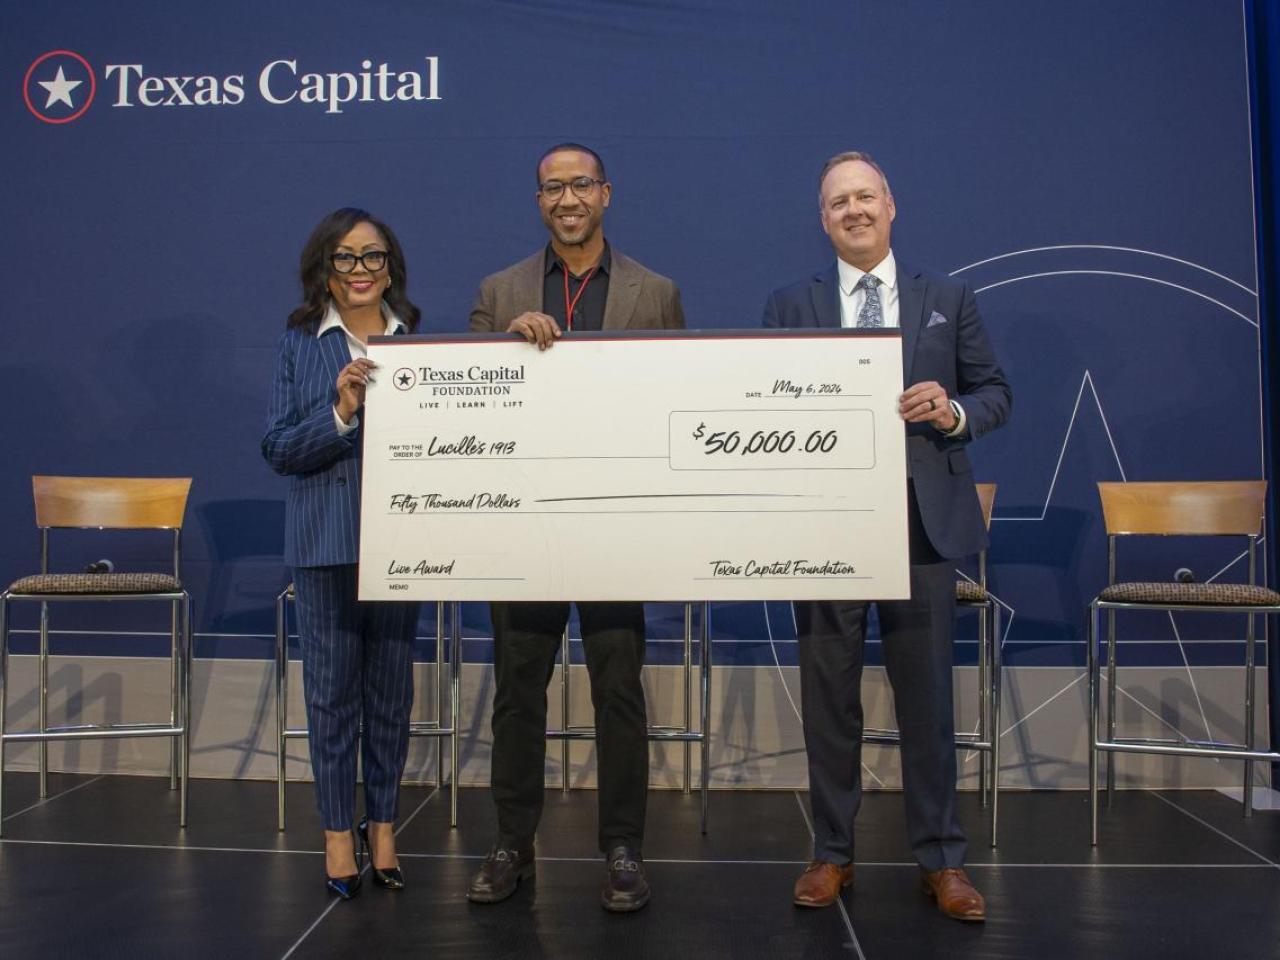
[(577, 282)]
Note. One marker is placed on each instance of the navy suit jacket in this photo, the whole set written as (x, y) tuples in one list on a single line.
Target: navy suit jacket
[(954, 351), (322, 509)]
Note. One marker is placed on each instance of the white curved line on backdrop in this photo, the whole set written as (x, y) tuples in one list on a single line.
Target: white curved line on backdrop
[(1106, 246), (1116, 273)]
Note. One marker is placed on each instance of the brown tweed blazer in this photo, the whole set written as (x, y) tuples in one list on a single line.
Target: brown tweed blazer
[(639, 299)]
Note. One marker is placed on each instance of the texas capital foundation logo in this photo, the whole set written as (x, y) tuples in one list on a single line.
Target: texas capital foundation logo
[(59, 86)]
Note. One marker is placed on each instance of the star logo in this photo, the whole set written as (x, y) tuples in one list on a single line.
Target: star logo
[(59, 86), (404, 379)]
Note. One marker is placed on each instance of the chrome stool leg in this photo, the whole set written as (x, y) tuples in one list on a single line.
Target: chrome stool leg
[(438, 687), (688, 696), (174, 706), (282, 701), (705, 719), (1111, 704), (997, 678), (1250, 734), (454, 711), (184, 766), (43, 682), (1095, 705), (984, 702), (564, 709)]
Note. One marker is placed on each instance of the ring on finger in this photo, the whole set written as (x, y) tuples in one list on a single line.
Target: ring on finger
[(932, 406)]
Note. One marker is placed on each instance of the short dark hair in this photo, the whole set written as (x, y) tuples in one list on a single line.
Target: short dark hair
[(566, 148), (850, 156), (314, 269)]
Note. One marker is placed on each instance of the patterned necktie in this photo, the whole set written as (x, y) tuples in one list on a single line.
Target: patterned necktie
[(870, 315)]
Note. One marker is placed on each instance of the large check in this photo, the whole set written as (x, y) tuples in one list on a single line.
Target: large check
[(669, 466)]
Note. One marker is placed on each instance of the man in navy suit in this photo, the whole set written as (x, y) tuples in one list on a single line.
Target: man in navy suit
[(957, 392)]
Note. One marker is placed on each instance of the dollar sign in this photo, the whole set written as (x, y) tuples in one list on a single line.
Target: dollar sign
[(697, 434)]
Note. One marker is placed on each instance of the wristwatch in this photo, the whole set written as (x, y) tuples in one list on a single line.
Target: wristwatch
[(955, 412)]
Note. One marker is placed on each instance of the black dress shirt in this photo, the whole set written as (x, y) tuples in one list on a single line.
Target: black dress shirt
[(588, 312)]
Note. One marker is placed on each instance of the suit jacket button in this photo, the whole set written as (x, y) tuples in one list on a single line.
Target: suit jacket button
[(341, 481)]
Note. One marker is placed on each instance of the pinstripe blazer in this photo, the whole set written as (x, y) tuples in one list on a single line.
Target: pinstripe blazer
[(322, 509)]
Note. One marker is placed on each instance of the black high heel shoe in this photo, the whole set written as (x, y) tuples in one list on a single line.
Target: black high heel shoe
[(391, 879), (346, 888)]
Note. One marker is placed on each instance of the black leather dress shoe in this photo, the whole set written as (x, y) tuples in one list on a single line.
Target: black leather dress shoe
[(626, 888), (500, 874)]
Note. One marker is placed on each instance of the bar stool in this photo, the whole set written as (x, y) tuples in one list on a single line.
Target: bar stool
[(974, 595), (1176, 509), (446, 686), (681, 733), (107, 503)]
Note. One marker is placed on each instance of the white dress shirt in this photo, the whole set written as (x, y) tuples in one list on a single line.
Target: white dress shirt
[(357, 347), (852, 298)]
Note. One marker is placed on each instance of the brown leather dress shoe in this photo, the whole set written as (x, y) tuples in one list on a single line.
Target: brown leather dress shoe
[(821, 883), (955, 894)]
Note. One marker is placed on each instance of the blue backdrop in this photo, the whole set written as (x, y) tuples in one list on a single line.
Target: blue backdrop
[(1087, 166)]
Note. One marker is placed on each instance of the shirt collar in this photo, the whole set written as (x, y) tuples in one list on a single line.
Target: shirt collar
[(333, 321), (886, 271), (551, 261)]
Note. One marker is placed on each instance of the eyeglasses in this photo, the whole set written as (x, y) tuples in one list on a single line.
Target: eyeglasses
[(581, 187), (372, 260)]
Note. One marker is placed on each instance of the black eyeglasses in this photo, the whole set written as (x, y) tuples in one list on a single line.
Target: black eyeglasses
[(581, 187), (373, 261)]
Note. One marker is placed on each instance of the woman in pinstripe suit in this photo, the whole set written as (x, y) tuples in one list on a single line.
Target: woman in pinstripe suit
[(356, 657)]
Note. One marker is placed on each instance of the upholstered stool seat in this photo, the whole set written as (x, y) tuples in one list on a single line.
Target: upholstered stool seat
[(1210, 594), (81, 583), (969, 592)]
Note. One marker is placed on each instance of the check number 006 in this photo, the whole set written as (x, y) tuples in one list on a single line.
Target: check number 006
[(771, 439)]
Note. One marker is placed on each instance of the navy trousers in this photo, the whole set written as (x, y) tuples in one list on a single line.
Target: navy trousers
[(916, 637), (357, 661)]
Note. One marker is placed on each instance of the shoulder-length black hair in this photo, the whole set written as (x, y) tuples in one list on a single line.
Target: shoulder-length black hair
[(314, 269)]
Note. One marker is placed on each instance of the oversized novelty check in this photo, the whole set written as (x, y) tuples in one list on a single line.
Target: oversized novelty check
[(666, 466)]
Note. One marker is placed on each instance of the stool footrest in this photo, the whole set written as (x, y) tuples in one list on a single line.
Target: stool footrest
[(968, 741), (95, 732), (677, 734), (1189, 748), (432, 729)]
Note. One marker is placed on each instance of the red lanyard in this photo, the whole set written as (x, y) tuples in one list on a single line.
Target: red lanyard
[(570, 304)]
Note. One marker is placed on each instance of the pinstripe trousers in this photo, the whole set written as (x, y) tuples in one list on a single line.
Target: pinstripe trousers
[(357, 670)]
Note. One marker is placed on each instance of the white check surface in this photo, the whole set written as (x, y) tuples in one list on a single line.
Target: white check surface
[(694, 466)]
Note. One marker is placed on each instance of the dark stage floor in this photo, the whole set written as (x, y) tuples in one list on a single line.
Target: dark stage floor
[(101, 870)]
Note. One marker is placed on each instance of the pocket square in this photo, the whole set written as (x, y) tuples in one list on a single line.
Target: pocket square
[(935, 318)]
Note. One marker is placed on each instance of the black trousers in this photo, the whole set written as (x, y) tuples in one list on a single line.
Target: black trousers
[(916, 636), (526, 638)]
